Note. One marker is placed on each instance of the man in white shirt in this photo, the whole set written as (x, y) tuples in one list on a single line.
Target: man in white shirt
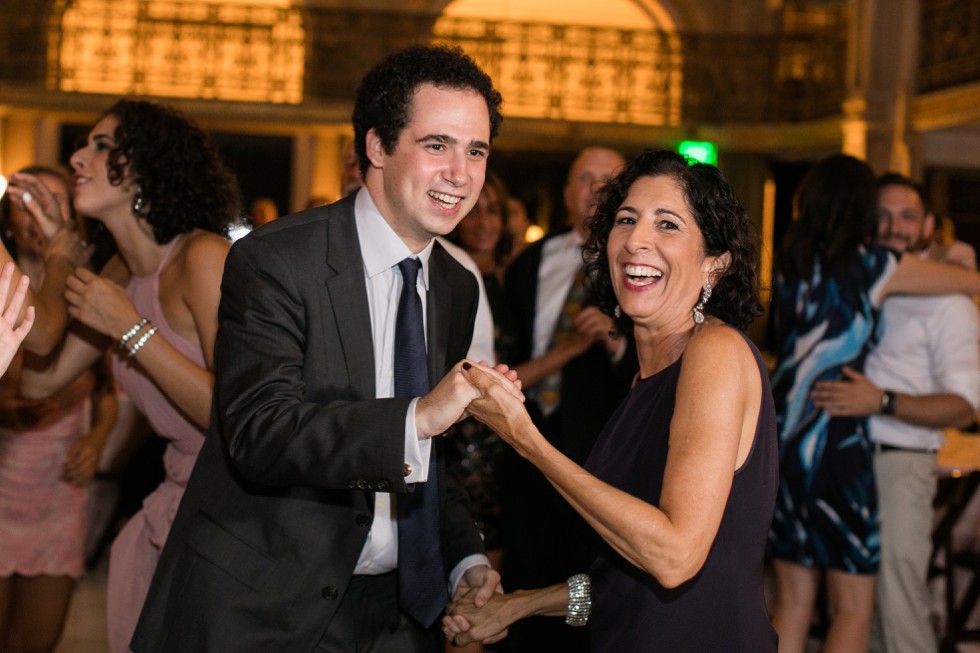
[(921, 377), (290, 533)]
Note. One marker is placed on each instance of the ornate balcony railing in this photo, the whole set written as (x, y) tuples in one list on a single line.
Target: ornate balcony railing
[(653, 77), (302, 55), (180, 49), (950, 44)]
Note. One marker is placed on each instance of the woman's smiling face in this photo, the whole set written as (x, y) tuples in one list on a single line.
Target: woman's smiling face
[(656, 255)]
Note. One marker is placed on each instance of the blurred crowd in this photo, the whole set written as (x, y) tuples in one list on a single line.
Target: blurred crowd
[(111, 286)]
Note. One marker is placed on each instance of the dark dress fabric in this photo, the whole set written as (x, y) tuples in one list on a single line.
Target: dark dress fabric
[(827, 508), (723, 607), (474, 453)]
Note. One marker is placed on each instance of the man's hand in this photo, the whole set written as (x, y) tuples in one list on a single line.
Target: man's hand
[(856, 397), (485, 580), (599, 327), (475, 590), (447, 402)]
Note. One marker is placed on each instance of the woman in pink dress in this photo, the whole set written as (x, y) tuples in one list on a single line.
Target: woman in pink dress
[(155, 180), (49, 450)]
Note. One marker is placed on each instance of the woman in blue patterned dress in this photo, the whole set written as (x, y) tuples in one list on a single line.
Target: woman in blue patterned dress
[(831, 281)]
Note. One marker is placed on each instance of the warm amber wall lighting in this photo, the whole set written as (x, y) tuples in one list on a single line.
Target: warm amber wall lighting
[(244, 50)]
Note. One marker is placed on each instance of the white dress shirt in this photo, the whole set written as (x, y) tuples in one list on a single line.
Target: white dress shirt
[(381, 251), (928, 346), (482, 346)]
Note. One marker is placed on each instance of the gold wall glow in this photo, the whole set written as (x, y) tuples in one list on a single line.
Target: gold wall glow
[(171, 48)]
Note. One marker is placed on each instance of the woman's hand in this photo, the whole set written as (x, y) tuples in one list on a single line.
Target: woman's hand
[(100, 304), (465, 623), (82, 460), (68, 244), (499, 406), (11, 336), (30, 194), (855, 397)]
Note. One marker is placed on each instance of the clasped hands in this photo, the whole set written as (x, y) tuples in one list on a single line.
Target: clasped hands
[(472, 616), (491, 394)]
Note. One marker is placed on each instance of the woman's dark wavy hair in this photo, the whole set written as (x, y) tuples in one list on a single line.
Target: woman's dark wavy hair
[(184, 183), (385, 94), (836, 213), (723, 223)]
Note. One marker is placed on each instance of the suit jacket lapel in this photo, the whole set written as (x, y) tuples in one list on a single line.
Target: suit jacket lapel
[(347, 297)]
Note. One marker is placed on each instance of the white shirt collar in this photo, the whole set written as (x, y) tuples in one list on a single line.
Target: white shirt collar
[(381, 248)]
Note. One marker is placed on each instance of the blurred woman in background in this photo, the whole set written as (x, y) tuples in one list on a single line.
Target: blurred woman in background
[(156, 182), (49, 449)]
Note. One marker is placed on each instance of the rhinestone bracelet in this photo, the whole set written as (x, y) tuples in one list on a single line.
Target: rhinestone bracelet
[(142, 341), (133, 330), (579, 600)]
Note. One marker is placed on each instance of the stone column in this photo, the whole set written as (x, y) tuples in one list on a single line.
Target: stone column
[(883, 55)]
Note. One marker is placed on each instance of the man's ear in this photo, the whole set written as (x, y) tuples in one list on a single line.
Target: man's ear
[(375, 148), (928, 227)]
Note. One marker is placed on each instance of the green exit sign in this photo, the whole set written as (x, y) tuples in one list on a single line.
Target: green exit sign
[(702, 151)]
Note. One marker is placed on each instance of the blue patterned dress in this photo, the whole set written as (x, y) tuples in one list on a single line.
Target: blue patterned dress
[(826, 512)]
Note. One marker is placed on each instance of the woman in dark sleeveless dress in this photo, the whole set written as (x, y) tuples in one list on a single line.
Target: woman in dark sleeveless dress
[(681, 483)]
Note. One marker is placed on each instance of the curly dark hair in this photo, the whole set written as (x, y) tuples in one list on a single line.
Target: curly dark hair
[(183, 181), (723, 223), (385, 94), (836, 213)]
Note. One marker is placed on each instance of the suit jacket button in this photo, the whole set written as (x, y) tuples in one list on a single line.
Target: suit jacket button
[(329, 592), (384, 486), (362, 485), (362, 519), (352, 485), (408, 469)]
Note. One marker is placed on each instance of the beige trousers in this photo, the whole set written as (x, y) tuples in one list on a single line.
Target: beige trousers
[(906, 487)]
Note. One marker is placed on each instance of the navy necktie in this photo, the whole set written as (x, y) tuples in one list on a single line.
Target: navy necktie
[(422, 589)]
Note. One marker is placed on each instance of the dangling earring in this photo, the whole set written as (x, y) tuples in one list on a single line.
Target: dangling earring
[(138, 204), (699, 307), (617, 312)]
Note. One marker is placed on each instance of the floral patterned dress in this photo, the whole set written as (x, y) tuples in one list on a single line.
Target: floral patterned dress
[(827, 507)]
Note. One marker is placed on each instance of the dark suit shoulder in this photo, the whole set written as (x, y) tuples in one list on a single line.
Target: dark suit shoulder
[(297, 226), (302, 238), (448, 265)]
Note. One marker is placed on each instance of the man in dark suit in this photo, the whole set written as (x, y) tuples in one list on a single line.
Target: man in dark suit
[(290, 534), (575, 374)]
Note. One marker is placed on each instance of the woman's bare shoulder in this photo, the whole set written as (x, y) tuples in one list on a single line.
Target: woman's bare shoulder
[(717, 348)]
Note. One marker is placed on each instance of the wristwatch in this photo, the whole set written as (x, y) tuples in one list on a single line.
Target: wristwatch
[(887, 406)]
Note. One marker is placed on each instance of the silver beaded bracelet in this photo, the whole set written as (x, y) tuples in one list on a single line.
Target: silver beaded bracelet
[(133, 330), (142, 341), (579, 600)]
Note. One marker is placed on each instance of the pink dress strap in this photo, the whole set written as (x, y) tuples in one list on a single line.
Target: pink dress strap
[(137, 548)]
